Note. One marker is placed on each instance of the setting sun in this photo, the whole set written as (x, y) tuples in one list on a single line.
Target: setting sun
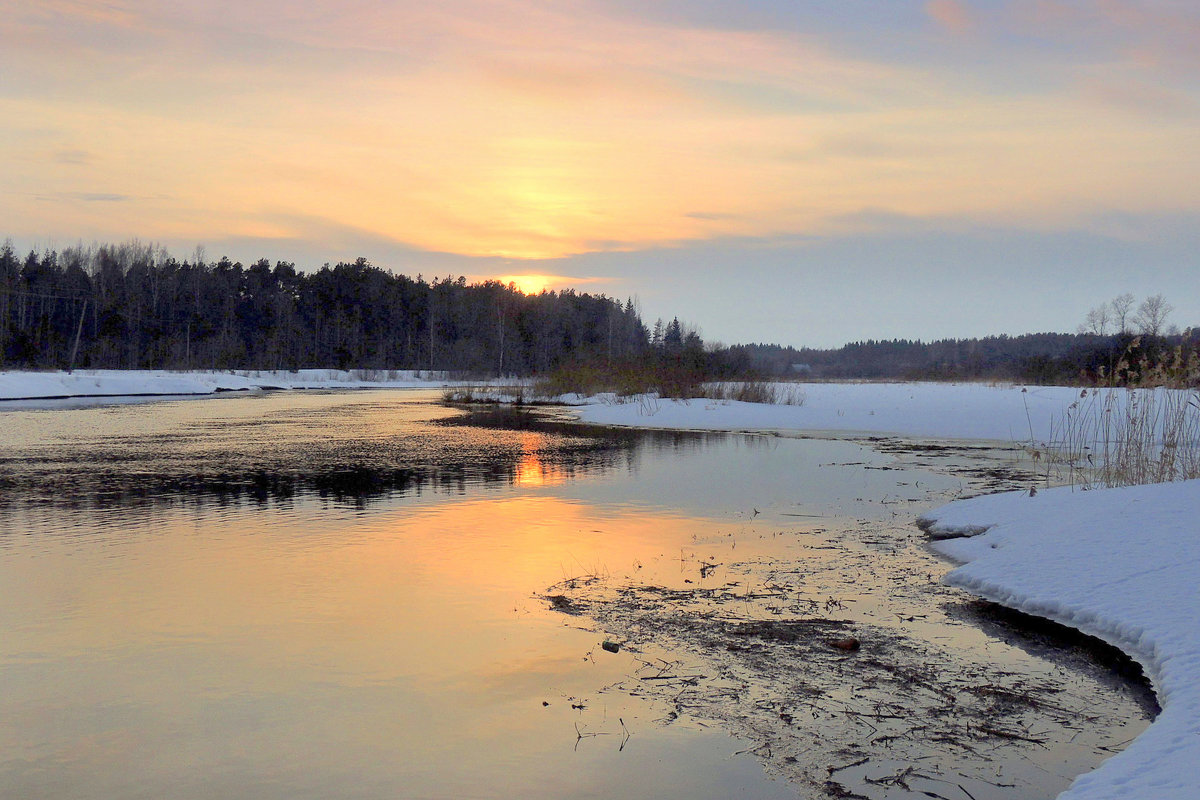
[(531, 284)]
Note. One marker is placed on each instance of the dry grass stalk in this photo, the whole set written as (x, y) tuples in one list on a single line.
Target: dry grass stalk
[(784, 394), (1127, 437)]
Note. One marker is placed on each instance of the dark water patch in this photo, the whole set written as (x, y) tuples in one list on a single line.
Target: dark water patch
[(294, 453), (1077, 650)]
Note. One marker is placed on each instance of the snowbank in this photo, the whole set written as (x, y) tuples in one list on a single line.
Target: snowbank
[(127, 383), (934, 410), (1120, 564)]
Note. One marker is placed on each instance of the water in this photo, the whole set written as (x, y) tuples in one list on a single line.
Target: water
[(340, 595)]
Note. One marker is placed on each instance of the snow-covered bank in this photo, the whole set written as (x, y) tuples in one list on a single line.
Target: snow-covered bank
[(935, 410), (1122, 565), (128, 383)]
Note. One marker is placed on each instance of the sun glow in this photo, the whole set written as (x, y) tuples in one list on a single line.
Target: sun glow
[(532, 284)]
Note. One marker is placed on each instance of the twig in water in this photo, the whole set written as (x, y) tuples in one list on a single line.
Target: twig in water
[(860, 762), (1010, 735)]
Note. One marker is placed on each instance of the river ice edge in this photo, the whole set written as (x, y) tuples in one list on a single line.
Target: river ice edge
[(46, 389), (1122, 565)]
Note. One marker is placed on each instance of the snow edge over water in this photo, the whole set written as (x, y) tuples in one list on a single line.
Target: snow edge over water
[(1122, 565), (33, 386)]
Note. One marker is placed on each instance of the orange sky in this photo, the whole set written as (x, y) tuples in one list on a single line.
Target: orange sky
[(520, 130)]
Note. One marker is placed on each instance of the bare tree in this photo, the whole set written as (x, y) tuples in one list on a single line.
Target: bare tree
[(1152, 314), (1097, 320), (1122, 308)]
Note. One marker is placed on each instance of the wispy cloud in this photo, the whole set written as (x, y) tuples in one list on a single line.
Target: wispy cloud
[(1140, 97), (530, 129), (72, 157), (97, 197), (953, 15), (84, 197)]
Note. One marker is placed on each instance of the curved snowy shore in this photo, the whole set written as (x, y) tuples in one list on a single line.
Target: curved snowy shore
[(1119, 564), (1122, 565), (113, 383)]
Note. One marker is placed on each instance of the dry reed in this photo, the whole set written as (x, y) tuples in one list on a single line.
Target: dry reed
[(784, 394), (1126, 437)]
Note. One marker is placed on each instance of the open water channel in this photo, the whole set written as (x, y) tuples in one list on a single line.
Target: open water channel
[(370, 595)]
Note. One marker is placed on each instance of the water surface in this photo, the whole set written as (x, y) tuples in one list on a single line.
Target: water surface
[(324, 594)]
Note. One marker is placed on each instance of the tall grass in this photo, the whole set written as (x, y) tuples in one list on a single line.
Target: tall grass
[(784, 394), (630, 382), (622, 379), (1125, 437), (518, 394)]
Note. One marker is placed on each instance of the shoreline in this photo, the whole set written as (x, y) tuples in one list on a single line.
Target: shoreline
[(50, 390), (914, 451), (996, 545)]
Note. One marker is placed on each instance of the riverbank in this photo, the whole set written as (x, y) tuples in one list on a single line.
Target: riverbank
[(1122, 565), (1002, 412), (85, 384), (819, 631)]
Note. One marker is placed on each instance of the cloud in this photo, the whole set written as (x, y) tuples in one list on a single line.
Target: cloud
[(73, 157), (1140, 97), (93, 197), (952, 15), (1150, 34), (533, 130), (711, 216)]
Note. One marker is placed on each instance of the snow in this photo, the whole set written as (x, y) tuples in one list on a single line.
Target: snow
[(1120, 564), (44, 386), (930, 410)]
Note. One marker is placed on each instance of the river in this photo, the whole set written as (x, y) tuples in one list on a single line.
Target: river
[(371, 595)]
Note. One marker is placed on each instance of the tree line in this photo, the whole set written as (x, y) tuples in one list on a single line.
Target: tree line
[(1120, 342), (1121, 359), (134, 306)]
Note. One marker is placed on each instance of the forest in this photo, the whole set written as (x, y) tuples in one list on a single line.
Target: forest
[(1084, 359), (134, 306)]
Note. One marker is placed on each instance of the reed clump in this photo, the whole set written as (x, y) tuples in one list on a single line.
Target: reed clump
[(786, 394), (622, 379), (1146, 363), (1128, 436), (515, 394), (664, 380)]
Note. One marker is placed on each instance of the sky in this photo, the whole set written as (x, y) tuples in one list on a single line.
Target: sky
[(808, 173)]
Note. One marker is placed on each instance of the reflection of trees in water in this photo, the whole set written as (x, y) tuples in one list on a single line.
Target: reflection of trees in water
[(449, 457)]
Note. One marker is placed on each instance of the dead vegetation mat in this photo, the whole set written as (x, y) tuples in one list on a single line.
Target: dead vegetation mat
[(839, 707)]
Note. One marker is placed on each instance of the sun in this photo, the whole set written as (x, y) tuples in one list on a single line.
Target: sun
[(529, 284)]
